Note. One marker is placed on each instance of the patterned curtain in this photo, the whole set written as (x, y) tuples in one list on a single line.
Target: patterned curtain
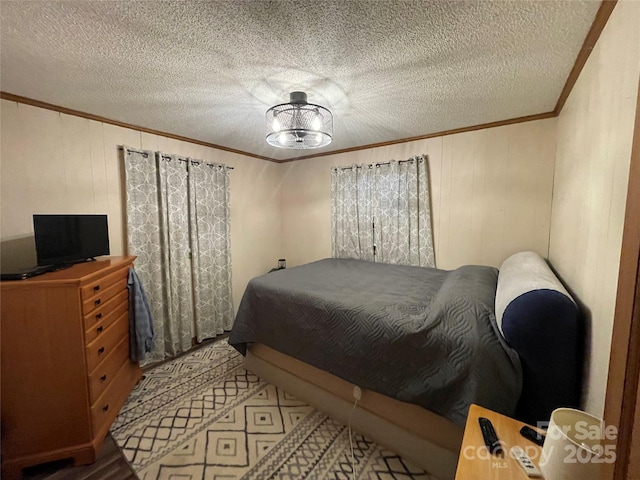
[(162, 218), (174, 227), (144, 235), (211, 248), (390, 206), (402, 214), (352, 212)]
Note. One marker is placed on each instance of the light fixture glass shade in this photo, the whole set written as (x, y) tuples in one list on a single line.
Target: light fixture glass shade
[(299, 124)]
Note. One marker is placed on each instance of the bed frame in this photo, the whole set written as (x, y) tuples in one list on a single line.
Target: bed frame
[(422, 437)]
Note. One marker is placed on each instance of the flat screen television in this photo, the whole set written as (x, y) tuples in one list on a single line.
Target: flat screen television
[(67, 239)]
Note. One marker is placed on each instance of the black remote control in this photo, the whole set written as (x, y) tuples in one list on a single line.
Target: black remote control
[(530, 434), (489, 434)]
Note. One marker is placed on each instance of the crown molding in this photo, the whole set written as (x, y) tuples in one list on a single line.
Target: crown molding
[(97, 118)]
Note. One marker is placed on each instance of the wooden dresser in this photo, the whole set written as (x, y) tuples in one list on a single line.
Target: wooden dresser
[(65, 362)]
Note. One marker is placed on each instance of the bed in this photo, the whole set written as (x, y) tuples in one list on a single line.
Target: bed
[(422, 344)]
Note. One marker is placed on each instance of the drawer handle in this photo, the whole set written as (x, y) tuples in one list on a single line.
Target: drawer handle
[(105, 408), (96, 288), (103, 378), (97, 302), (100, 328), (100, 350)]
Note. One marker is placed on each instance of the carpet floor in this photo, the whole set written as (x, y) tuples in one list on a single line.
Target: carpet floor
[(203, 416)]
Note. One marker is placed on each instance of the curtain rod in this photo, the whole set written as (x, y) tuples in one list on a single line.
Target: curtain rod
[(180, 159), (195, 162), (371, 165)]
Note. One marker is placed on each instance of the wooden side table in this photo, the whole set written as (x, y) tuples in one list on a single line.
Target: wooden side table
[(475, 461)]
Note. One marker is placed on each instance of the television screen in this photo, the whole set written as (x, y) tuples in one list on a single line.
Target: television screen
[(64, 239)]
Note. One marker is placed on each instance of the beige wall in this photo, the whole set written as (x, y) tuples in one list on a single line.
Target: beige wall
[(56, 163), (490, 191), (594, 138)]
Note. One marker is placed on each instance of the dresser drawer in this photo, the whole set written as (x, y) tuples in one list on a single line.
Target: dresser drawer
[(106, 371), (98, 286), (97, 322), (92, 303), (102, 346), (106, 408)]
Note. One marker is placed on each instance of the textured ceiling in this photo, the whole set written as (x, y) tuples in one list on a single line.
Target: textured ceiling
[(387, 69)]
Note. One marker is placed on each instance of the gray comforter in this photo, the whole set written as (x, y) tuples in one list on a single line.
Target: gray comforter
[(420, 335)]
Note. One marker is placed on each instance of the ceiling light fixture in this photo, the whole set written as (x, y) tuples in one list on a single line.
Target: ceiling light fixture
[(299, 124)]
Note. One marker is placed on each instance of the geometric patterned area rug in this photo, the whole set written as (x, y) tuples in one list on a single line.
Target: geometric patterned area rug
[(203, 416)]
